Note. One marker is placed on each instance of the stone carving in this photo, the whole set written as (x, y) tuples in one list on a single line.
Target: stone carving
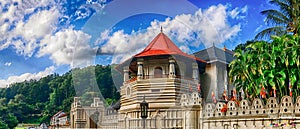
[(297, 106), (209, 110), (244, 107), (272, 107), (232, 108), (286, 108), (189, 100), (257, 107), (218, 109)]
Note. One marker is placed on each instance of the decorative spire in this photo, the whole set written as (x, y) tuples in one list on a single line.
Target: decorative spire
[(161, 29)]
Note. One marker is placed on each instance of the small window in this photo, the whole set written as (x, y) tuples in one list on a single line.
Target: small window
[(155, 90), (128, 91)]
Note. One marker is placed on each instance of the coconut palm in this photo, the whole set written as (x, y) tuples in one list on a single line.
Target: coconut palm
[(282, 21)]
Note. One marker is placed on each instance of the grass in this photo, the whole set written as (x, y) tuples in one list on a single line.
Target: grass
[(20, 128)]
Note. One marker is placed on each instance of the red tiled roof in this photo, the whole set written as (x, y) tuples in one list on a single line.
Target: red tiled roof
[(162, 45)]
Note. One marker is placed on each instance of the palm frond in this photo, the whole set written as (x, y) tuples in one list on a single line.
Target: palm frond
[(275, 17), (284, 5), (266, 33)]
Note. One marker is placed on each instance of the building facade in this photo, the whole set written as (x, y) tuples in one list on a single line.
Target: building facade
[(60, 119), (178, 88)]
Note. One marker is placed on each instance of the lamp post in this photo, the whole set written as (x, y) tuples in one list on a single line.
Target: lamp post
[(96, 117), (144, 111)]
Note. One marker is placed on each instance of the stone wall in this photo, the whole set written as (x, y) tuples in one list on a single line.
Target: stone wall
[(194, 114), (244, 114), (159, 119)]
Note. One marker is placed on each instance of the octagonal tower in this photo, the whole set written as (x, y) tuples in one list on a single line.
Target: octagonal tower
[(161, 73)]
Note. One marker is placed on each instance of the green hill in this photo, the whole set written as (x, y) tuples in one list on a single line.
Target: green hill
[(36, 101)]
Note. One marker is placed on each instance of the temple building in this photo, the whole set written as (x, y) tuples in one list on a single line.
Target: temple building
[(178, 89), (215, 79)]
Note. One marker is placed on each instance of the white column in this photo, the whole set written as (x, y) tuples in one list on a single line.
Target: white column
[(172, 68), (195, 72), (126, 74), (140, 69), (200, 119), (225, 80)]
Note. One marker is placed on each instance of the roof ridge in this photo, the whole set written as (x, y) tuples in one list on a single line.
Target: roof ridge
[(164, 37), (151, 44)]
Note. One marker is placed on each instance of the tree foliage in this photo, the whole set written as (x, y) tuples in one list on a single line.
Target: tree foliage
[(36, 101), (3, 125), (273, 65), (282, 21)]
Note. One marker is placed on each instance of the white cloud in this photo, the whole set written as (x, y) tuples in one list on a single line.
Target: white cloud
[(236, 12), (203, 27), (31, 27), (185, 49), (124, 45), (38, 26), (26, 76), (21, 26), (68, 47), (7, 64), (244, 9)]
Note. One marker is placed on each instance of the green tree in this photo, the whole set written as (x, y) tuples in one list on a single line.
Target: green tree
[(7, 119), (11, 121), (272, 65), (282, 21), (3, 125), (239, 73), (35, 101)]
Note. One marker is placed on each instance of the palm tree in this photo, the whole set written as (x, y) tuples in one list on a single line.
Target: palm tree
[(282, 21), (241, 73)]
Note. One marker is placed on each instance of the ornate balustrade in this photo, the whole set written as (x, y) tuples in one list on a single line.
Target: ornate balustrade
[(272, 109)]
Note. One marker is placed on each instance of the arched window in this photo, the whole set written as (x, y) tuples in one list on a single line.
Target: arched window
[(158, 72), (128, 91)]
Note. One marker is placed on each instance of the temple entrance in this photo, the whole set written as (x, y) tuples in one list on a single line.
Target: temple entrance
[(158, 72), (92, 123)]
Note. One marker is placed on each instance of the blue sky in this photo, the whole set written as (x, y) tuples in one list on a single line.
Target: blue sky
[(41, 37)]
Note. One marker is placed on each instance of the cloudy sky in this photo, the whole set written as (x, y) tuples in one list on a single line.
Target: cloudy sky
[(41, 37)]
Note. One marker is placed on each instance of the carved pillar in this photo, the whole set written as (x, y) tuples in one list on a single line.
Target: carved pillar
[(140, 69), (191, 118), (126, 74), (76, 102), (195, 72), (225, 80), (172, 68), (200, 118)]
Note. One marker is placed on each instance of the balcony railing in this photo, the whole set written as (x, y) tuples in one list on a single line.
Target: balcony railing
[(155, 77)]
